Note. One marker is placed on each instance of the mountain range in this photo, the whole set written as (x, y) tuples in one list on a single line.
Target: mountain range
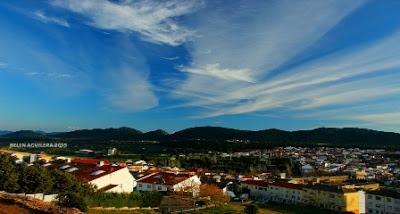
[(336, 136), (3, 132)]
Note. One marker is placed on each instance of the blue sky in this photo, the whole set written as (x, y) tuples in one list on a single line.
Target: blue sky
[(72, 64)]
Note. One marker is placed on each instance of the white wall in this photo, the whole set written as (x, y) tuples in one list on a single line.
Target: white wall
[(123, 178), (361, 202), (275, 193), (151, 187), (381, 204), (191, 184)]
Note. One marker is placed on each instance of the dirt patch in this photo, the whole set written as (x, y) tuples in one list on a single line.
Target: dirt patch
[(27, 205), (6, 208)]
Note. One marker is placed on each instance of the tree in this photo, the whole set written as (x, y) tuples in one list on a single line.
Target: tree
[(34, 179), (251, 209), (71, 199), (65, 182), (62, 182), (215, 194), (8, 174)]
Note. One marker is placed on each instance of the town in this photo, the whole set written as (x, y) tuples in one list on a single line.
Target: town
[(200, 107), (349, 180)]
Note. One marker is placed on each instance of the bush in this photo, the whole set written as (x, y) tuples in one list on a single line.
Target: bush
[(251, 209), (133, 199), (72, 200)]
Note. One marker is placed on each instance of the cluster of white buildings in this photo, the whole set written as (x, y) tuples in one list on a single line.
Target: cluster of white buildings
[(119, 178), (368, 198), (109, 177)]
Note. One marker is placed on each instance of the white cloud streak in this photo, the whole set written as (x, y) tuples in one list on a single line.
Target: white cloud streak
[(349, 77), (215, 70), (327, 81), (3, 64), (253, 39), (390, 118), (48, 19), (171, 58), (130, 91), (155, 21)]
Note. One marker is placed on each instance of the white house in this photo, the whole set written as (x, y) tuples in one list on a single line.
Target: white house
[(111, 151), (258, 189), (170, 181), (106, 177), (280, 192), (382, 201)]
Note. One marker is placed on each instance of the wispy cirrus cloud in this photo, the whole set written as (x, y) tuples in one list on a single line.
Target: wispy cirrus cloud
[(171, 58), (3, 64), (390, 118), (351, 76), (155, 21), (40, 15), (215, 70), (247, 42), (130, 91)]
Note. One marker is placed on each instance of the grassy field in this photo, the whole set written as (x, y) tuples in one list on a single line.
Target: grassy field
[(265, 209), (293, 209), (133, 199), (97, 211)]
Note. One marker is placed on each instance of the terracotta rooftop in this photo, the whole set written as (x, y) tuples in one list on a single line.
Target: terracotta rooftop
[(85, 169), (93, 173), (165, 178), (262, 183), (287, 185), (89, 161), (386, 192)]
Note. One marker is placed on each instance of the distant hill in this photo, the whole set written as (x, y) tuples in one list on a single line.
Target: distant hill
[(319, 135), (122, 133), (158, 134), (223, 136), (26, 134), (3, 132)]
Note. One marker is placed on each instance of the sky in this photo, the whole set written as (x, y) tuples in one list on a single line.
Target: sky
[(147, 64)]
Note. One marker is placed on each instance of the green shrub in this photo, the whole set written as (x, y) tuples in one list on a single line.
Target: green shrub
[(71, 199)]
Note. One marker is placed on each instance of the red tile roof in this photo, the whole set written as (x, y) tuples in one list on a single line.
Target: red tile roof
[(165, 178), (89, 161), (262, 183), (287, 185), (86, 174), (265, 183)]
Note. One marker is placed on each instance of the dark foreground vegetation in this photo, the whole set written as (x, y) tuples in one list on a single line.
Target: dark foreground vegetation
[(21, 178)]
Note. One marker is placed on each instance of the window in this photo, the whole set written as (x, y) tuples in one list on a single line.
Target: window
[(377, 198), (64, 167), (139, 185), (148, 186), (72, 169), (369, 196), (159, 188), (98, 172), (388, 199)]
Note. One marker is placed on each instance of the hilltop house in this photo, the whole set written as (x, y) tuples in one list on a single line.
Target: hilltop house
[(170, 182), (280, 192), (105, 176), (382, 201)]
